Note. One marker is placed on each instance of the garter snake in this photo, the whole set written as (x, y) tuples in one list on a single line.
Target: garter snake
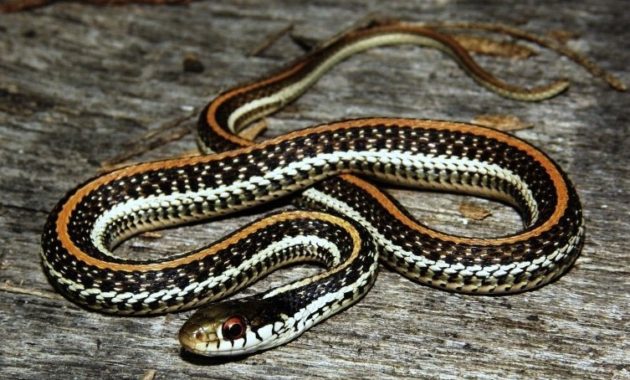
[(346, 223)]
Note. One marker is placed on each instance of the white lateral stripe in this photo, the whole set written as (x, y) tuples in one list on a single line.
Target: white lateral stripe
[(279, 174), (424, 262), (165, 294)]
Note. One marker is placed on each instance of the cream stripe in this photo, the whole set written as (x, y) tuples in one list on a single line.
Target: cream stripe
[(422, 262), (289, 93), (406, 161), (197, 287)]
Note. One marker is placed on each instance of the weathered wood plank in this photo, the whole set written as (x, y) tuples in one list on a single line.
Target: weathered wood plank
[(80, 84)]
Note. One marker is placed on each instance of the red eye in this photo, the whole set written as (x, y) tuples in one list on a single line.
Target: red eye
[(234, 327)]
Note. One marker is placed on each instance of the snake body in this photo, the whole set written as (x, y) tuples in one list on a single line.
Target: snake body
[(351, 224)]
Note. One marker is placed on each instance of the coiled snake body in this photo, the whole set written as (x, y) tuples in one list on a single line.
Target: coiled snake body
[(351, 225)]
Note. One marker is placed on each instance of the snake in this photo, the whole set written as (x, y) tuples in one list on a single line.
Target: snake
[(342, 220)]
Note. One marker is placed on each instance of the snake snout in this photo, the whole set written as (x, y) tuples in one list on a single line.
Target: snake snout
[(196, 335)]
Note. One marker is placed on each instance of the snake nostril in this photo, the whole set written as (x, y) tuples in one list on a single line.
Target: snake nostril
[(199, 335)]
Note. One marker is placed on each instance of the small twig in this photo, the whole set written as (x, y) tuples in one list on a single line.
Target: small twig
[(8, 287), (270, 40), (369, 20), (149, 374), (170, 131), (507, 123), (151, 235), (305, 43), (251, 132), (24, 5)]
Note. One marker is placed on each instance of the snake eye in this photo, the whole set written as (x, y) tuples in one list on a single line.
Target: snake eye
[(234, 327)]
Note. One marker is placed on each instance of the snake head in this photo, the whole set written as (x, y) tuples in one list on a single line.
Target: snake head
[(231, 328)]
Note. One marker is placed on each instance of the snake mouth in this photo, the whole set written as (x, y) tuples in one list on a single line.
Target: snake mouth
[(209, 349), (193, 349), (198, 340)]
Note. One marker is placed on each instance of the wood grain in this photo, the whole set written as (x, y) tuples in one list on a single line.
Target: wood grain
[(82, 85)]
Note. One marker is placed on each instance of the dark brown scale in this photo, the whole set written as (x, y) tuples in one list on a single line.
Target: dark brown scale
[(229, 256), (224, 173), (383, 137), (483, 149), (479, 253)]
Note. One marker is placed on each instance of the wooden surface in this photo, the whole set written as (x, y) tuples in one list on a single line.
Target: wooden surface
[(81, 85)]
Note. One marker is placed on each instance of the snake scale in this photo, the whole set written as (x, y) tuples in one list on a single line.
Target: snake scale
[(344, 222)]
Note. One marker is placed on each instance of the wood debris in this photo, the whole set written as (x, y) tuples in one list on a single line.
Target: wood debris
[(170, 131), (192, 64), (506, 123), (254, 130), (7, 286), (371, 19), (151, 235), (270, 40), (149, 374), (473, 211), (562, 36)]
